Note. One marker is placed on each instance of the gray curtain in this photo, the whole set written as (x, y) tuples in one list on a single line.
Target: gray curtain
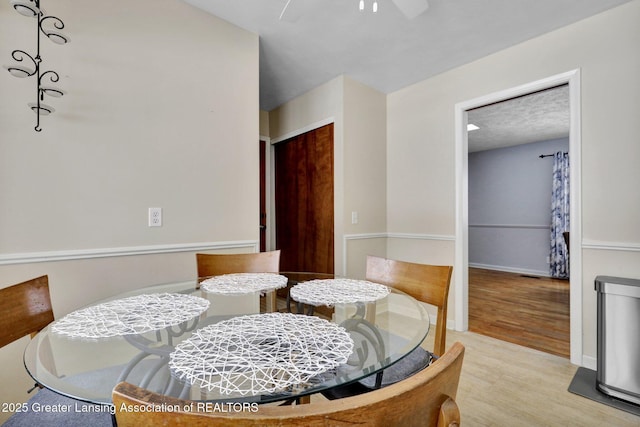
[(559, 255)]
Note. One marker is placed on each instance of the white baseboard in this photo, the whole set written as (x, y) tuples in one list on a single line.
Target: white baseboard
[(590, 362), (510, 269)]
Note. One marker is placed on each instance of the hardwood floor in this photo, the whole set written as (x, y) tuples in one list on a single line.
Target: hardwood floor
[(525, 310)]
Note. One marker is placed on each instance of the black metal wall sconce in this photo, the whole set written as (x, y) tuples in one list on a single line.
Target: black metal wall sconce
[(50, 26)]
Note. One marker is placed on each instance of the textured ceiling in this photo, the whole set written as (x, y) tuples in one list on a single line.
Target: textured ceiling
[(535, 117), (321, 39)]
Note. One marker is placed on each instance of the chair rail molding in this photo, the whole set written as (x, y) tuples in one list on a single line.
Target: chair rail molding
[(52, 256), (419, 236), (610, 246), (388, 235), (523, 226)]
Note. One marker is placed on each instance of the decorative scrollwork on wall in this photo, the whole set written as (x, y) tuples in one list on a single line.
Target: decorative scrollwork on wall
[(52, 30)]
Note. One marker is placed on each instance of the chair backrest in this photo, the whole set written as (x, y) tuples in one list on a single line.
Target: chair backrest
[(427, 283), (425, 399), (26, 309), (259, 262)]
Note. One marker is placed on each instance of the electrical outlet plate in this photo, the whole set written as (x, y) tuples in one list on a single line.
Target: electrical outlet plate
[(155, 217)]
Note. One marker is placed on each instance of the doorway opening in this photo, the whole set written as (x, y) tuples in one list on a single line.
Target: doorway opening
[(511, 294), (461, 274)]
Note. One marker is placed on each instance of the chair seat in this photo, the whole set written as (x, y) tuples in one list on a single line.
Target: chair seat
[(47, 408), (409, 365)]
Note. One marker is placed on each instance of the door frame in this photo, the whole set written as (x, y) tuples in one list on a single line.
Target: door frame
[(268, 192), (263, 146), (461, 273)]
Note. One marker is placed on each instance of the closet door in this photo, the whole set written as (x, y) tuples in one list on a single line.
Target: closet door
[(304, 201)]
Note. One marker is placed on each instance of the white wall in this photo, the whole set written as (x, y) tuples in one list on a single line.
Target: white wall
[(421, 134), (161, 110), (510, 206)]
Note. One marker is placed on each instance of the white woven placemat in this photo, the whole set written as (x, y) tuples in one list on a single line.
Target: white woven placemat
[(133, 315), (243, 283), (338, 291), (261, 353)]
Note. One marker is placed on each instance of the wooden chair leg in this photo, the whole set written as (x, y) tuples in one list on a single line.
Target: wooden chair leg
[(271, 301)]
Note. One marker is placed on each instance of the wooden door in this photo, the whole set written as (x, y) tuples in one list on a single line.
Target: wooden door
[(304, 201)]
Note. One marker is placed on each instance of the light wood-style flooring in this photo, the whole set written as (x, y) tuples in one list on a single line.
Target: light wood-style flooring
[(521, 309), (505, 384)]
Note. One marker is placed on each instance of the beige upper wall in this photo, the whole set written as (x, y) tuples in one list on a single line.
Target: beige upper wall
[(365, 132), (161, 111), (365, 171), (264, 124), (321, 104), (421, 124)]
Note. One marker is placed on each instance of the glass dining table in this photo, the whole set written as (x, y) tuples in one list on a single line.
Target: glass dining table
[(181, 340)]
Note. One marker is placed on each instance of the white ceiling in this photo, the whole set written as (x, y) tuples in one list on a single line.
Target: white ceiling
[(321, 39)]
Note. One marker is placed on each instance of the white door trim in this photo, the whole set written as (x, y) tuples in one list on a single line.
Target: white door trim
[(461, 279)]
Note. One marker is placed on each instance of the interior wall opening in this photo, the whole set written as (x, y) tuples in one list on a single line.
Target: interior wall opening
[(513, 296), (461, 278)]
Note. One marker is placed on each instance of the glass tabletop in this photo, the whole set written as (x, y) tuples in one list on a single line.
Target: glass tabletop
[(382, 331)]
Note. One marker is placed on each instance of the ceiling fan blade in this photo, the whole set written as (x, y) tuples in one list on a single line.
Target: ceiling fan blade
[(292, 10), (412, 8), (284, 9)]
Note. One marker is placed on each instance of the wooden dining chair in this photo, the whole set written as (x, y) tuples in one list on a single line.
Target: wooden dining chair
[(26, 309), (257, 262), (217, 264), (426, 283), (426, 399)]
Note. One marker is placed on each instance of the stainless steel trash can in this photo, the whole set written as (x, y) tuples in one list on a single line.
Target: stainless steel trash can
[(618, 366)]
